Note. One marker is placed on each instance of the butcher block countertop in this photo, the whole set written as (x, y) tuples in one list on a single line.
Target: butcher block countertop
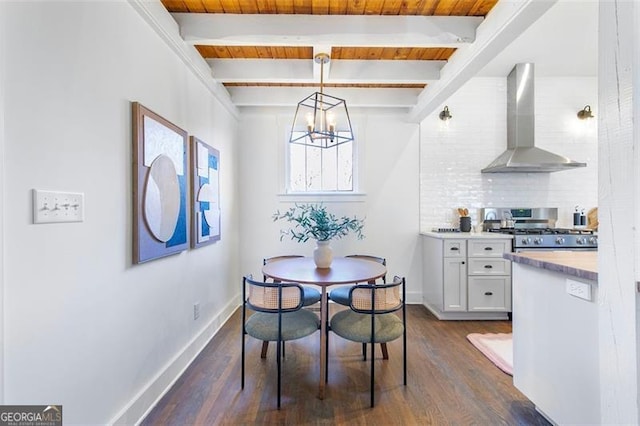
[(581, 264)]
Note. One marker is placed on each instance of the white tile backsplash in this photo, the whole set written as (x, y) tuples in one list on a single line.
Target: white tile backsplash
[(452, 156)]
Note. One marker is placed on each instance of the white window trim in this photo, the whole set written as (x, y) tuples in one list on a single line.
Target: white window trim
[(357, 195)]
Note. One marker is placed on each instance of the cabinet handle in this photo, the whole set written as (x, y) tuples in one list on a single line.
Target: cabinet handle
[(488, 293), (488, 248), (488, 266), (454, 248), (462, 263)]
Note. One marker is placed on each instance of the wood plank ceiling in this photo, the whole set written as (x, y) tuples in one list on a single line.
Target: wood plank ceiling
[(383, 44)]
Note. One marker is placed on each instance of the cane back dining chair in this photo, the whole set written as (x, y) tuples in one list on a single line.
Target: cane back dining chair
[(372, 318), (311, 295), (278, 316), (340, 295)]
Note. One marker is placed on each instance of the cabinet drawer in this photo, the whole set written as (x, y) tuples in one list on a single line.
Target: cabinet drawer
[(455, 248), (489, 266), (489, 248), (489, 294)]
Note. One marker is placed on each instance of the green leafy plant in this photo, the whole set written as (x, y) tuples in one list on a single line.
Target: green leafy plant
[(314, 221)]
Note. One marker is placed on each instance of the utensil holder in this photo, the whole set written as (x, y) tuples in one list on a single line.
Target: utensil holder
[(576, 219), (465, 224)]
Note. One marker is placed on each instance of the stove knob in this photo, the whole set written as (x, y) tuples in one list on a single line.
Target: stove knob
[(560, 240), (537, 240), (526, 241), (581, 241), (593, 240)]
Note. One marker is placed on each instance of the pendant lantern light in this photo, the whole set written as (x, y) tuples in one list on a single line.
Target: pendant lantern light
[(321, 120)]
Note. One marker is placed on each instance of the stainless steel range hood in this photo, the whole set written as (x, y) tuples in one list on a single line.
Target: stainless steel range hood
[(522, 156)]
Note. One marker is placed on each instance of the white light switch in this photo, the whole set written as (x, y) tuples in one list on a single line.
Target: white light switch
[(579, 289), (54, 206)]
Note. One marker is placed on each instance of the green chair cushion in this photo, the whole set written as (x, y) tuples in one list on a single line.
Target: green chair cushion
[(295, 325), (357, 327), (340, 295), (311, 296)]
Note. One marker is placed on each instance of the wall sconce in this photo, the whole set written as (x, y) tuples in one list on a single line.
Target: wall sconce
[(585, 113), (445, 114)]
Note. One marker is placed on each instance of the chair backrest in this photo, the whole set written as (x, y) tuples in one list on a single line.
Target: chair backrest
[(377, 259), (378, 298), (381, 260), (271, 297), (276, 258)]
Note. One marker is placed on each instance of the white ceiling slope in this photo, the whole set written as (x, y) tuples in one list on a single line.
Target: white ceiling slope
[(559, 36), (562, 43)]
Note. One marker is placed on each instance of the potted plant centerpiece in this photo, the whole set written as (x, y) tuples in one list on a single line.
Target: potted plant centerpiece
[(313, 221)]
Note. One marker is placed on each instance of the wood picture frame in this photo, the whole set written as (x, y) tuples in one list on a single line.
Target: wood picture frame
[(160, 186), (205, 193)]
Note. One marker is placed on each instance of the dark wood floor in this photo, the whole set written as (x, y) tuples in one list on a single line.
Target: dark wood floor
[(449, 382)]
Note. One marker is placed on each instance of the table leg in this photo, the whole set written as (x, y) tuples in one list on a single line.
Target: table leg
[(323, 340)]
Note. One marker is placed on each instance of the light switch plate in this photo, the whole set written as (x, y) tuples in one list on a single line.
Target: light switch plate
[(196, 310), (56, 206)]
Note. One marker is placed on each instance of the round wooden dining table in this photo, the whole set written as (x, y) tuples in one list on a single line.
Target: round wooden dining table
[(343, 270)]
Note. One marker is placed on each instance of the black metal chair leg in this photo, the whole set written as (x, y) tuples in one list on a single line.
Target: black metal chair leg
[(243, 332), (279, 361), (364, 351), (404, 350), (242, 375), (372, 373)]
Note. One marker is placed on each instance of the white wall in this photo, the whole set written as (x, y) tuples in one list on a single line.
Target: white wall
[(619, 196), (83, 327), (389, 179), (453, 154), (2, 192)]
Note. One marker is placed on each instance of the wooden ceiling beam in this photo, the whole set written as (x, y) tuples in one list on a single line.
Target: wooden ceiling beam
[(333, 30)]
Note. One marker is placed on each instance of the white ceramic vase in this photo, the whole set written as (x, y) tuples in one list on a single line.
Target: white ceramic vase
[(323, 255)]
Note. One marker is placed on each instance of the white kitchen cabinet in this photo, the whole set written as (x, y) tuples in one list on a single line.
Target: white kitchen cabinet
[(465, 276), (455, 283)]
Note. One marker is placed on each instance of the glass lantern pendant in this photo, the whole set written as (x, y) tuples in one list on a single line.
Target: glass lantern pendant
[(321, 120)]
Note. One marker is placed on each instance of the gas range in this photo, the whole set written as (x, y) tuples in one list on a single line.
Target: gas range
[(551, 238), (534, 229)]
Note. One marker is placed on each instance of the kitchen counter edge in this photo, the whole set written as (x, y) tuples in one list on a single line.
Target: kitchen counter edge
[(566, 262), (467, 235)]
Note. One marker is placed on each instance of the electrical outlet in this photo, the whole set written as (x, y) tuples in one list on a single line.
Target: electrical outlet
[(55, 206), (196, 311), (579, 289)]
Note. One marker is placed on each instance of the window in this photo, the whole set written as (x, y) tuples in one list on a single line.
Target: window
[(314, 169)]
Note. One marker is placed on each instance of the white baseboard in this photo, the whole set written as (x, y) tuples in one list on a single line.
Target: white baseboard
[(138, 408), (475, 316)]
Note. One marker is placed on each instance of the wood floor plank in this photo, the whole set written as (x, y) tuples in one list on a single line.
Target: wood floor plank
[(449, 382)]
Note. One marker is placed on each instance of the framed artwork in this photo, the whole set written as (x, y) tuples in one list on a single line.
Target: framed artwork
[(160, 181), (205, 197)]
